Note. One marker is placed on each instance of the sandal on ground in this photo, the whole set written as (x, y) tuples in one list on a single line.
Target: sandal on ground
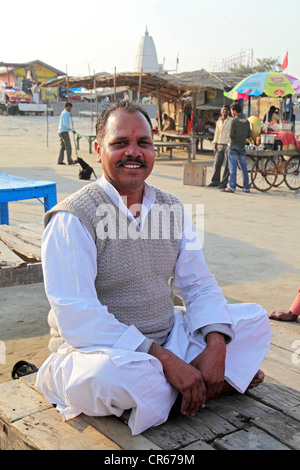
[(227, 190), (22, 368)]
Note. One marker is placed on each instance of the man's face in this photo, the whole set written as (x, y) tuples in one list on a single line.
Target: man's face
[(126, 151), (68, 108), (224, 113)]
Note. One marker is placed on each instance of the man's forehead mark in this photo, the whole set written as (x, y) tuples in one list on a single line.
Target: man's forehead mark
[(133, 131)]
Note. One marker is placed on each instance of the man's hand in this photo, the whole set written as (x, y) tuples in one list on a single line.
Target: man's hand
[(186, 378), (211, 363)]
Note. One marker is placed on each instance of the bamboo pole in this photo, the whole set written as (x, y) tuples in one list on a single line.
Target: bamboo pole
[(47, 120), (91, 98), (159, 109), (140, 84), (115, 95), (71, 115), (193, 127), (95, 88)]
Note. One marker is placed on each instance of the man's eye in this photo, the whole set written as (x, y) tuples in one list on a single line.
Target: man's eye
[(145, 143), (120, 143)]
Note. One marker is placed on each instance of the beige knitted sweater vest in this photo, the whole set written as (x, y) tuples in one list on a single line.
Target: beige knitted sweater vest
[(134, 268)]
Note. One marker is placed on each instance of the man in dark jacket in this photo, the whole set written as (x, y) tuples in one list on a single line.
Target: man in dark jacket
[(239, 133)]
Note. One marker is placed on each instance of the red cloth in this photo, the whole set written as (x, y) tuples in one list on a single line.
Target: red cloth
[(286, 138), (285, 62), (295, 307)]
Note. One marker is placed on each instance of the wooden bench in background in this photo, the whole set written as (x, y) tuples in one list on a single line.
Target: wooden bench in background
[(170, 146), (20, 254)]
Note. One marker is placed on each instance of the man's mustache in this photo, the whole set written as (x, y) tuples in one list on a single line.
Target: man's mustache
[(132, 160)]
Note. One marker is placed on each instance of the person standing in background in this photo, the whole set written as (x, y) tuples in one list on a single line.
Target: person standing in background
[(63, 132), (240, 131), (221, 141)]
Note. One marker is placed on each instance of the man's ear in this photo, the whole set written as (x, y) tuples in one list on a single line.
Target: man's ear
[(98, 151)]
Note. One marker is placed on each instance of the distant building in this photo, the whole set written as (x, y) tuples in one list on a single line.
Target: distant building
[(146, 57), (23, 75)]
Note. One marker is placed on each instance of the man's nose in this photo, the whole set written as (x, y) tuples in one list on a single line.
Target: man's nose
[(133, 149)]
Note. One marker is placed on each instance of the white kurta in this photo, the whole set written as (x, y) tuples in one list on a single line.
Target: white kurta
[(98, 370)]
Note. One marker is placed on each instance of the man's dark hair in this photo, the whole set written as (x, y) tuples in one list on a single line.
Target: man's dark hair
[(68, 104), (236, 107), (124, 105), (226, 106)]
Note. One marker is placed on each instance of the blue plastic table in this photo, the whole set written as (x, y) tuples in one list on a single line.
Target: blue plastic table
[(15, 188)]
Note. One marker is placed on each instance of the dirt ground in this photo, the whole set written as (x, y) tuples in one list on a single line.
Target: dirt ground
[(251, 241)]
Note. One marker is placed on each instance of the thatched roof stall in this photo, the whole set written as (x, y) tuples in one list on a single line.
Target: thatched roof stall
[(171, 87)]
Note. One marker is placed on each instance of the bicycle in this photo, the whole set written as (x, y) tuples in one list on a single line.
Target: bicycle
[(292, 173), (264, 173)]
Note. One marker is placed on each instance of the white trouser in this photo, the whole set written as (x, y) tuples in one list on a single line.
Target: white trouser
[(101, 382)]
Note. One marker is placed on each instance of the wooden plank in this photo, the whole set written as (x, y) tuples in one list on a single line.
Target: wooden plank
[(205, 425), (119, 432), (293, 412), (284, 358), (282, 427), (17, 401), (169, 436), (238, 409), (29, 274), (23, 234), (33, 227), (278, 397), (250, 439), (217, 424), (199, 445), (8, 257), (29, 251), (47, 431), (279, 373), (283, 337)]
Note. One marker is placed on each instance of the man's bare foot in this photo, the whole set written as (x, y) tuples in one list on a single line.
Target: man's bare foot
[(283, 316), (257, 379), (125, 416)]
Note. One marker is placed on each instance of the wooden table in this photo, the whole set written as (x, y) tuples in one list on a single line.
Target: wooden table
[(15, 188), (172, 136), (170, 146), (20, 254), (204, 136), (90, 138)]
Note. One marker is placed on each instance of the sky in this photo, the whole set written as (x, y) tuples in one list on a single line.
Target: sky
[(98, 36)]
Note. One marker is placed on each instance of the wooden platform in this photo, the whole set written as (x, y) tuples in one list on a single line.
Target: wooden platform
[(266, 418), (20, 254)]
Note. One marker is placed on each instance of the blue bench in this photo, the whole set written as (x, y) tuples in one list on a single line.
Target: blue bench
[(15, 188)]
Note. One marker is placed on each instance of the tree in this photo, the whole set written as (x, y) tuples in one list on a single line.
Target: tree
[(267, 64)]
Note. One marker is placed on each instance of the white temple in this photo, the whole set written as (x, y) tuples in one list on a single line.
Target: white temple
[(146, 57)]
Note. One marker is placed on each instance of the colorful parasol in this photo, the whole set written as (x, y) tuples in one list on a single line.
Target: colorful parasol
[(273, 84)]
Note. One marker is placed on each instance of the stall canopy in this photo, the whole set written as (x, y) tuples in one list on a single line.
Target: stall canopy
[(170, 87)]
